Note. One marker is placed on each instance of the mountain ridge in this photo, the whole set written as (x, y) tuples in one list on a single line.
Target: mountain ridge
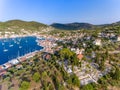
[(39, 26), (78, 26), (73, 26)]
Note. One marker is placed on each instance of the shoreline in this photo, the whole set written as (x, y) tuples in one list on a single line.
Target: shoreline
[(16, 61), (45, 43), (18, 37)]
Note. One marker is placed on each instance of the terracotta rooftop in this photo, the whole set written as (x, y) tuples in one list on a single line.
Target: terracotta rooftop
[(79, 56)]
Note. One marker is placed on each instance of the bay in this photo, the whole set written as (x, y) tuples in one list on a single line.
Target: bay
[(13, 48)]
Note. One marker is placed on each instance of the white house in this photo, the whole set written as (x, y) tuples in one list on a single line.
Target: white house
[(118, 38), (97, 42)]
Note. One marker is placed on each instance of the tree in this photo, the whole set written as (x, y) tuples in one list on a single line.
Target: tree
[(66, 53), (24, 85), (61, 87), (36, 77), (75, 60), (102, 63), (76, 81), (73, 79), (117, 74), (87, 87)]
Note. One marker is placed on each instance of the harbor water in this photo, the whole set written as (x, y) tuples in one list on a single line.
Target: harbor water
[(13, 48)]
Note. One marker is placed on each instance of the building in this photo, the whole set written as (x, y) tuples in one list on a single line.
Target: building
[(79, 51), (118, 38), (7, 65), (46, 56), (14, 62), (1, 68), (19, 66), (2, 73), (22, 59), (79, 56), (97, 42)]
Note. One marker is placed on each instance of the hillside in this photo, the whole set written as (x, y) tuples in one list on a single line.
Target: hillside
[(21, 23), (73, 26), (20, 26), (86, 26)]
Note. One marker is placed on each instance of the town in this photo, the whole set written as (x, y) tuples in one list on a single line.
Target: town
[(86, 47)]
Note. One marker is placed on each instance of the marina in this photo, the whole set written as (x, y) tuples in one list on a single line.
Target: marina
[(15, 50)]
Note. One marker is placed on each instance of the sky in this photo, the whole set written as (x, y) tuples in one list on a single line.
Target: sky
[(61, 11)]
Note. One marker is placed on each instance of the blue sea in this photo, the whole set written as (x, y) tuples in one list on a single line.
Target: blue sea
[(13, 48)]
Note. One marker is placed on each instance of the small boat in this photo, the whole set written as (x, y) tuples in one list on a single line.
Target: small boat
[(15, 41), (39, 38), (26, 41), (5, 50), (11, 45), (5, 40), (18, 42), (3, 43), (20, 46), (36, 40)]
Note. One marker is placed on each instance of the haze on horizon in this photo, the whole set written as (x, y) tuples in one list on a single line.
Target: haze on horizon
[(61, 11)]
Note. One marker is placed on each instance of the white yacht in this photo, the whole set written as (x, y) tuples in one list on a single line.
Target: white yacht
[(11, 45), (5, 50), (20, 46), (3, 43)]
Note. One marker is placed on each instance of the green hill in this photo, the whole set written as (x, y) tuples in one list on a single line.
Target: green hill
[(19, 26), (85, 26), (73, 26)]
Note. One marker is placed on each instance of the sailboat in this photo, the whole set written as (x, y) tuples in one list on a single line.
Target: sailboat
[(26, 41), (5, 40), (18, 42), (5, 50), (20, 46), (11, 45), (18, 55), (3, 43)]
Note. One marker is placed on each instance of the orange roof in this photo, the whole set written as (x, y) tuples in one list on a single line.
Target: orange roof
[(47, 56), (23, 59), (8, 64), (3, 72), (1, 67), (79, 56)]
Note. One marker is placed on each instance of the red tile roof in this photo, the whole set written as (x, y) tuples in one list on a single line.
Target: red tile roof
[(1, 67), (3, 73), (79, 56), (22, 59), (47, 57)]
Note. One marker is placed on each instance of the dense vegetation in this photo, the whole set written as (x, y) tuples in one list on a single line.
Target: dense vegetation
[(37, 73)]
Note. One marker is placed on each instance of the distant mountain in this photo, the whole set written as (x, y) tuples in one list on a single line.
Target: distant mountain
[(86, 26), (109, 25), (117, 23), (31, 26), (73, 26)]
